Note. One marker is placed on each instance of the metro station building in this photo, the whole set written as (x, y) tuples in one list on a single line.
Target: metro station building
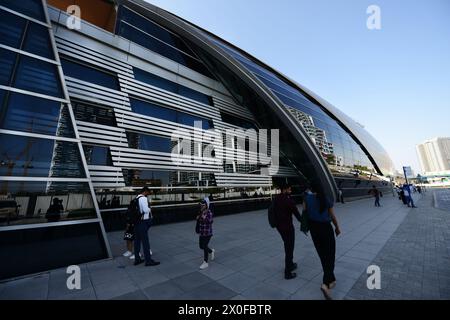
[(88, 114)]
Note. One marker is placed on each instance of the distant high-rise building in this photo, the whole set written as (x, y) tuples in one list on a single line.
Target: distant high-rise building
[(434, 155)]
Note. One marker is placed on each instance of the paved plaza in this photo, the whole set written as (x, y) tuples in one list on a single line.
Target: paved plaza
[(411, 246)]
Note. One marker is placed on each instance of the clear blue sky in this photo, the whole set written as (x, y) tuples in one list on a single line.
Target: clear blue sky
[(395, 81)]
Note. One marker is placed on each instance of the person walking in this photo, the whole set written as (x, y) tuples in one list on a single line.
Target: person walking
[(376, 193), (320, 216), (408, 196), (284, 208), (141, 230), (341, 196), (205, 221), (129, 236)]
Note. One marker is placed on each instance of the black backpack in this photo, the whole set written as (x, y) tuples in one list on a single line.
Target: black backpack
[(134, 214), (272, 215)]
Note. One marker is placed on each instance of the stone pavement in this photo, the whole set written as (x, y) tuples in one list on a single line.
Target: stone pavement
[(249, 260), (415, 262)]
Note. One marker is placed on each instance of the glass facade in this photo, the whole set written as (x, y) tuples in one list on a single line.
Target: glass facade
[(35, 202), (236, 121), (43, 180), (89, 112), (90, 74), (97, 155), (342, 152), (27, 113), (31, 74), (30, 8), (170, 86), (154, 37), (24, 156), (172, 115), (23, 34), (51, 135), (149, 142)]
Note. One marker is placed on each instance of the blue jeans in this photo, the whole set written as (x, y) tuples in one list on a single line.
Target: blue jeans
[(411, 201), (141, 235), (377, 202)]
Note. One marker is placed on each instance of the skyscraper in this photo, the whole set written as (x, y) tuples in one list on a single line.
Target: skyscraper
[(434, 155)]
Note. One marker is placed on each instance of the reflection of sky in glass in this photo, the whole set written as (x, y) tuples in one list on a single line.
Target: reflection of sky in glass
[(327, 134)]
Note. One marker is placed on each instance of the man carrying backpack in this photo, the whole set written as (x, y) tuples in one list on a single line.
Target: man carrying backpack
[(284, 208), (143, 218)]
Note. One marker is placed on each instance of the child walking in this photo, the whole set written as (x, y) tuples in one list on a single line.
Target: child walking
[(129, 238), (205, 220)]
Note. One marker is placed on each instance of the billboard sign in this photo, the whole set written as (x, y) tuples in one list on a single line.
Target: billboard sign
[(408, 172)]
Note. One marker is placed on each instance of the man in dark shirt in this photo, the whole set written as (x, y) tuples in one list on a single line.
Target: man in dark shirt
[(374, 191), (284, 209)]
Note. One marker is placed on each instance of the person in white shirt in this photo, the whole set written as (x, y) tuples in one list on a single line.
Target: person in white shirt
[(141, 230)]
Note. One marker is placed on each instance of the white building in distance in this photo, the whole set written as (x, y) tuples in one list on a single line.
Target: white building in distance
[(434, 155)]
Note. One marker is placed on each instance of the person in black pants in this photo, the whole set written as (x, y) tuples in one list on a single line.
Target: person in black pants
[(141, 230), (284, 209), (376, 193), (205, 220), (320, 214)]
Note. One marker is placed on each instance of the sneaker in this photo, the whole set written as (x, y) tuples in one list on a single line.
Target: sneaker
[(326, 292), (290, 275), (152, 263), (132, 257), (212, 254), (127, 253), (204, 265)]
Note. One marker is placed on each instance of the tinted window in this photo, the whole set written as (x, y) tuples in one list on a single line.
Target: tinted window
[(154, 30), (11, 29), (237, 121), (95, 114), (34, 157), (37, 41), (38, 76), (7, 62), (148, 142), (96, 155), (155, 80), (168, 85), (89, 74), (153, 37), (32, 114), (152, 110), (151, 43), (32, 201), (194, 95), (191, 120), (31, 8), (148, 177)]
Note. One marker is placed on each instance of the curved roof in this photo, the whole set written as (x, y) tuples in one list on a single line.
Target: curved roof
[(375, 151), (199, 36)]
